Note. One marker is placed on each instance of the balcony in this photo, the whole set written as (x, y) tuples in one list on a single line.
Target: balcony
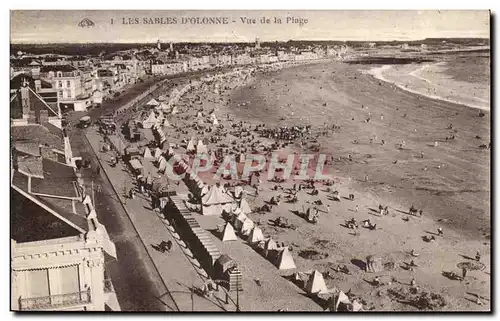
[(55, 302)]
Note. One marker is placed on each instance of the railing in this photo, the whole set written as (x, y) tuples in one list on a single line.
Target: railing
[(108, 286), (56, 301)]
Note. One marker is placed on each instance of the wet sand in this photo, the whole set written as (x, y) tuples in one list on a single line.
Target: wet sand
[(430, 80)]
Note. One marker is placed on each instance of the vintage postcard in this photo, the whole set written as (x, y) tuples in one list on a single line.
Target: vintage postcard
[(249, 161)]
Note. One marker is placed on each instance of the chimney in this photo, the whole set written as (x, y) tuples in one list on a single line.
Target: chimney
[(25, 97), (38, 85), (44, 116), (31, 117)]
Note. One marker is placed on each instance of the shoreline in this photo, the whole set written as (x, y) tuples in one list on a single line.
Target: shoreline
[(378, 73)]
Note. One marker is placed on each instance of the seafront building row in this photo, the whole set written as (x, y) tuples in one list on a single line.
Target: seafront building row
[(81, 82)]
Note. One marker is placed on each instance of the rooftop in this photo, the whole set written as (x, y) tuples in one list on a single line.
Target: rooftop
[(30, 222), (30, 165), (38, 134), (59, 180), (56, 68)]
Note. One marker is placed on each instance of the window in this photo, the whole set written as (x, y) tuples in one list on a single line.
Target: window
[(59, 84), (61, 94), (59, 74), (68, 83), (69, 279), (38, 281)]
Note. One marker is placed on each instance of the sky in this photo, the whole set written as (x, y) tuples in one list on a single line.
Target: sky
[(50, 26)]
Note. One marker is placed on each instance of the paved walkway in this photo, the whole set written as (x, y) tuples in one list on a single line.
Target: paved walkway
[(178, 269)]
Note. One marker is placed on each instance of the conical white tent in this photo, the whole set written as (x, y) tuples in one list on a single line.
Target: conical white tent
[(162, 164), (238, 221), (166, 123), (158, 153), (199, 115), (147, 154), (256, 235), (316, 283), (201, 148), (215, 121), (153, 102), (190, 146), (244, 207), (150, 121), (175, 110), (238, 191), (247, 227), (285, 260), (228, 233)]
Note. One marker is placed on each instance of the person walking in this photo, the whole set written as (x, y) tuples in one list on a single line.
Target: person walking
[(440, 231)]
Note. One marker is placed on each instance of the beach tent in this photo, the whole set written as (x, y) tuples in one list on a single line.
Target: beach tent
[(215, 201), (190, 146), (247, 227), (238, 191), (175, 110), (162, 164), (201, 148), (215, 122), (228, 233), (153, 102), (269, 246), (147, 154), (158, 153), (162, 98), (256, 235), (150, 121), (239, 220), (374, 264), (244, 207), (199, 115), (316, 283), (166, 123), (285, 260)]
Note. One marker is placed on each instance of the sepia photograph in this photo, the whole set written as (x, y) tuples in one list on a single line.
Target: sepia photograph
[(179, 161)]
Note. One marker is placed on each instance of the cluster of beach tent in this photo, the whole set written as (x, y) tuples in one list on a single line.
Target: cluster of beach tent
[(152, 120), (199, 147), (238, 221), (313, 282)]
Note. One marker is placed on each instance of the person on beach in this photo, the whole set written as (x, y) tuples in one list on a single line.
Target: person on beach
[(356, 209), (478, 256), (440, 231)]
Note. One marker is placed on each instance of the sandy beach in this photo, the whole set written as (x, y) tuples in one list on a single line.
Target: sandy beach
[(450, 183)]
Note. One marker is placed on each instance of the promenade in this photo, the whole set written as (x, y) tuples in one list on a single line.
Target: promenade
[(178, 269)]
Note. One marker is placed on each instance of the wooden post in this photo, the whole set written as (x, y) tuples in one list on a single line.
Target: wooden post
[(192, 297), (93, 196)]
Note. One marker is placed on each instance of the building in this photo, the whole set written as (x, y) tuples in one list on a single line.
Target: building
[(28, 106), (158, 44), (73, 86), (58, 246), (257, 43)]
